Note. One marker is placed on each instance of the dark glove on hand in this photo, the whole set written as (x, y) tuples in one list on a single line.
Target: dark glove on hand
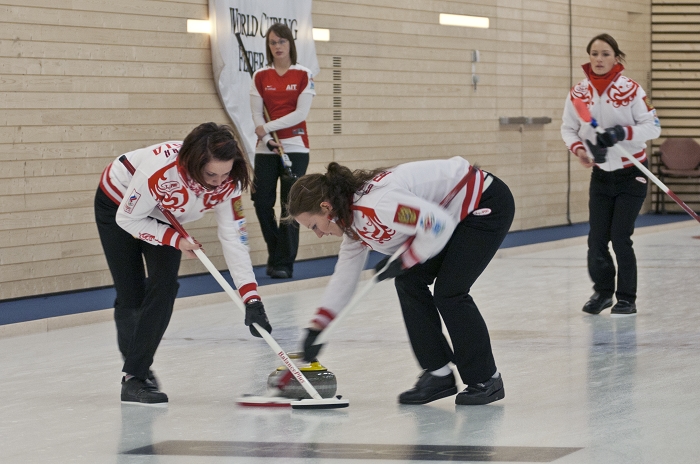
[(271, 147), (255, 312), (395, 269), (599, 153), (311, 351), (611, 136)]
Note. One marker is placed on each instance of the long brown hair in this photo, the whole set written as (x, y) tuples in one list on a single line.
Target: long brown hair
[(337, 186), (211, 141)]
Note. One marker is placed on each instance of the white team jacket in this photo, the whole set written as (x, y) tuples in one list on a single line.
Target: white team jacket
[(624, 102), (158, 178), (396, 205)]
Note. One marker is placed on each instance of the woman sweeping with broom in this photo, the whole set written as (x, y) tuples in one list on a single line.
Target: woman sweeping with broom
[(450, 218)]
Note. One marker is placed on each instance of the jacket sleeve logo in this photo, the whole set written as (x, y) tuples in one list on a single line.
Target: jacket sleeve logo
[(131, 201), (406, 215)]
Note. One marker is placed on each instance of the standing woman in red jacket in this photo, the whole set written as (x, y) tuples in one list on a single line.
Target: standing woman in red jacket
[(617, 188), (286, 90)]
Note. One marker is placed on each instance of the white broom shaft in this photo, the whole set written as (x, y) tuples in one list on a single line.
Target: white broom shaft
[(265, 335), (652, 177)]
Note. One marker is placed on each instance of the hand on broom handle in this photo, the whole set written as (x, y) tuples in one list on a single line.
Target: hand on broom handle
[(585, 115), (232, 293), (286, 162)]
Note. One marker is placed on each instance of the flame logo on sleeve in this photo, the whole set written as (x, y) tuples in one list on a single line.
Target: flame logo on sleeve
[(582, 91), (624, 94), (172, 194), (372, 229)]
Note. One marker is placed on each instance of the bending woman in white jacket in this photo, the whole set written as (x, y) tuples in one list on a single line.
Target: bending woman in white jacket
[(450, 218)]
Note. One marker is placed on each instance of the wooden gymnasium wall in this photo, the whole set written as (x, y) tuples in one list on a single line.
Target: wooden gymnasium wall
[(675, 71), (82, 81)]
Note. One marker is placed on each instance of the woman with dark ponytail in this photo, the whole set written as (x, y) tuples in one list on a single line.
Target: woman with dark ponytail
[(448, 218), (204, 172)]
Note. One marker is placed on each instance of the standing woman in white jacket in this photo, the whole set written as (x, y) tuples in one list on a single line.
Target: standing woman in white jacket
[(617, 189)]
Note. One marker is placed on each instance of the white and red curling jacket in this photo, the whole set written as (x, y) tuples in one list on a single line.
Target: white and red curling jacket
[(399, 204), (623, 103), (288, 100), (159, 179)]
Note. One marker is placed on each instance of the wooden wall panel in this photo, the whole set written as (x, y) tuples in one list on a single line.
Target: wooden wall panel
[(675, 74), (82, 81)]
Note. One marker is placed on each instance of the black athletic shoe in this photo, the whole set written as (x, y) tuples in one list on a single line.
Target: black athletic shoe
[(623, 308), (597, 303), (137, 391), (482, 393), (429, 388), (153, 379), (281, 273)]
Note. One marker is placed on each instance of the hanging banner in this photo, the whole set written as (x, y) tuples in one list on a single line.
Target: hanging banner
[(252, 18)]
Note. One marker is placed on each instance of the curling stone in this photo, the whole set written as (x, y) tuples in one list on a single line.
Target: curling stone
[(318, 376)]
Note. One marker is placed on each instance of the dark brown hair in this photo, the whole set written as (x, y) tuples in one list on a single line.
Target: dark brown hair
[(337, 186), (210, 141), (608, 39), (283, 32)]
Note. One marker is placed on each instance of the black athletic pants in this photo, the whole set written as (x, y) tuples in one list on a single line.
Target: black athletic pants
[(282, 239), (454, 270), (143, 305), (614, 203)]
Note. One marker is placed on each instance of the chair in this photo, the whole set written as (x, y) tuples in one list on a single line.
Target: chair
[(680, 165)]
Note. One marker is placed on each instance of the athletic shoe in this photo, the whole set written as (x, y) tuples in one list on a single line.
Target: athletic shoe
[(137, 391), (429, 388), (623, 308), (153, 379), (597, 303), (281, 273), (482, 393)]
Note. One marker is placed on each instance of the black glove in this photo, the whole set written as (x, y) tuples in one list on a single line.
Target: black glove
[(255, 312), (599, 153), (311, 351), (395, 269), (271, 147), (611, 136)]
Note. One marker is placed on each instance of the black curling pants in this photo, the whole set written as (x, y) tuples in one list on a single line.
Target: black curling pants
[(454, 270), (615, 199), (143, 305), (282, 239)]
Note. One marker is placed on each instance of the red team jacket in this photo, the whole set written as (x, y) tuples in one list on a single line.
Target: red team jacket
[(280, 95), (159, 179)]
